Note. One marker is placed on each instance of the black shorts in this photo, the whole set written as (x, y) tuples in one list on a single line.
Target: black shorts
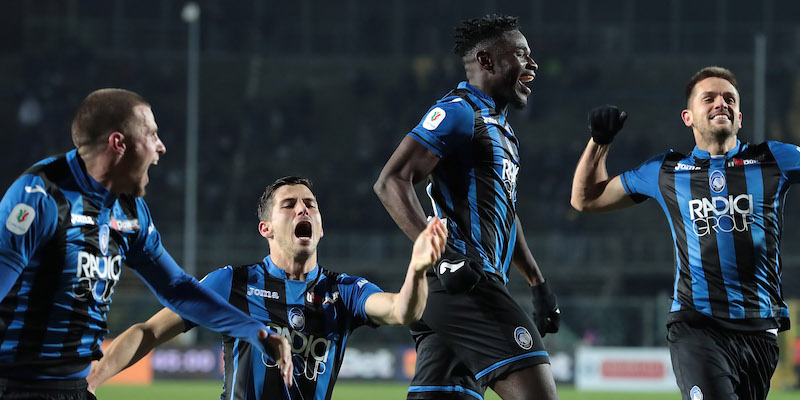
[(717, 363), (467, 341), (73, 389)]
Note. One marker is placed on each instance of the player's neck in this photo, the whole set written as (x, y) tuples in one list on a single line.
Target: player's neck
[(98, 166), (297, 266), (714, 146)]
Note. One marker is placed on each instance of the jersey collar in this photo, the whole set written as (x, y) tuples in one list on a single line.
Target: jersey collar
[(273, 270), (89, 187), (704, 155), (483, 96)]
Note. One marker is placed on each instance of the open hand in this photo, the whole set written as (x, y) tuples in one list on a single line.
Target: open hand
[(429, 246)]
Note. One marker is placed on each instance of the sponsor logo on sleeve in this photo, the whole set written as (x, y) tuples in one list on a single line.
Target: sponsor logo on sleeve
[(433, 119), (20, 219), (35, 189), (445, 266)]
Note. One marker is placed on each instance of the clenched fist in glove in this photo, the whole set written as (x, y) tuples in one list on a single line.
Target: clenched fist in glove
[(604, 123), (546, 314)]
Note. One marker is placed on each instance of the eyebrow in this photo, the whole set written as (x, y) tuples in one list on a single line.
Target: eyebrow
[(284, 200), (709, 92)]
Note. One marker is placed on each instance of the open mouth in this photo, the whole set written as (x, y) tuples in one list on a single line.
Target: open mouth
[(526, 78), (721, 117), (303, 230)]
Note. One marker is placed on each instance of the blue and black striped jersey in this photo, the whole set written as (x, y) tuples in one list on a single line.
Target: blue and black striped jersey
[(68, 238), (474, 185), (316, 316), (726, 217)]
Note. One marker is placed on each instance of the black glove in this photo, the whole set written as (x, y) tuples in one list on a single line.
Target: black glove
[(457, 272), (546, 314), (604, 122)]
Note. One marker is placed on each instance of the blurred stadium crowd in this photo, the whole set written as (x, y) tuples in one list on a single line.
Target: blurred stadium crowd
[(328, 89)]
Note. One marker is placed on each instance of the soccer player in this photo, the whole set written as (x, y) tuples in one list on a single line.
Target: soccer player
[(473, 334), (724, 204), (72, 222), (315, 308)]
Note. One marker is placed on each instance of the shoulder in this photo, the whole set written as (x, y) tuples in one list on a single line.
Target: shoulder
[(780, 147)]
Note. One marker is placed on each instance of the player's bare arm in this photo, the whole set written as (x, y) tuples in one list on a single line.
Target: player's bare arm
[(408, 305), (410, 164), (133, 344), (592, 190), (138, 340), (546, 314), (523, 260)]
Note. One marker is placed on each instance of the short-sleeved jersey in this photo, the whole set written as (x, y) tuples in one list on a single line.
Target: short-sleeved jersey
[(69, 237), (316, 316), (726, 217), (474, 185)]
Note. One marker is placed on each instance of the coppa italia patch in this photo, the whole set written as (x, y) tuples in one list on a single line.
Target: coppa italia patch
[(20, 219), (434, 118)]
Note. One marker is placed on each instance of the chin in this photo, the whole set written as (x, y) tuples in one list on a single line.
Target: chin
[(139, 192), (519, 103)]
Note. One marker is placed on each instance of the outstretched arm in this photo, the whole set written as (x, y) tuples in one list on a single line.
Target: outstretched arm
[(184, 295), (133, 344), (410, 163), (592, 190), (408, 305)]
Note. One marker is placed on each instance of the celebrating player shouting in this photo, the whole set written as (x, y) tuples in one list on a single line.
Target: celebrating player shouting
[(473, 334), (315, 308)]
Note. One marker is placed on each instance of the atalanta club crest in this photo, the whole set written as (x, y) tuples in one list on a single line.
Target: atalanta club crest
[(523, 338), (717, 181), (296, 319), (103, 239), (696, 393)]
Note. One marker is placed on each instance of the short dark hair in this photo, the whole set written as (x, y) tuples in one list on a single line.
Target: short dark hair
[(710, 72), (469, 33), (268, 197), (102, 112)]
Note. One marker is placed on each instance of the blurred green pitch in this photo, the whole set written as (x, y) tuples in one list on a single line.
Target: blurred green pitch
[(197, 390)]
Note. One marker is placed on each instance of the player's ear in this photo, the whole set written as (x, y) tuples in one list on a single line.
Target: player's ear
[(485, 60), (686, 116), (116, 141), (265, 229), (740, 120)]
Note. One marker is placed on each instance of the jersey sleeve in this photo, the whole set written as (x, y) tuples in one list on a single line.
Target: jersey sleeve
[(445, 127), (219, 282), (146, 246), (788, 158), (355, 291), (641, 182), (29, 216)]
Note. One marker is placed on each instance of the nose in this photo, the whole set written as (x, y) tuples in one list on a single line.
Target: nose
[(532, 64), (301, 208), (719, 102), (161, 148)]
